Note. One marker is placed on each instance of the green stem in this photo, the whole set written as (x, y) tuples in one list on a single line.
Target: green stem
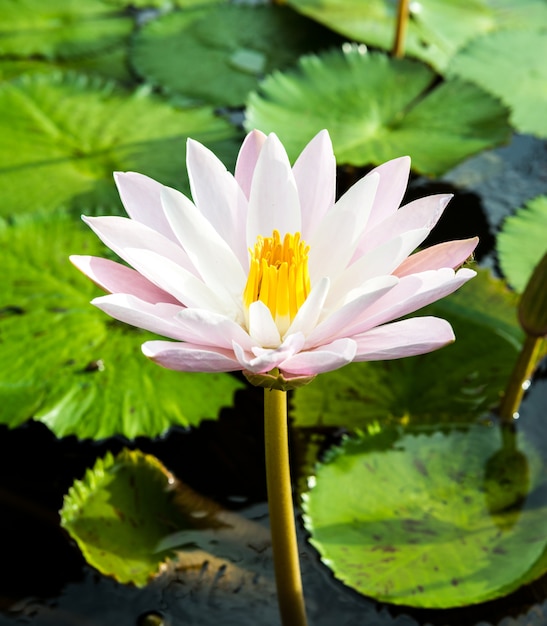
[(522, 372), (285, 548), (400, 30)]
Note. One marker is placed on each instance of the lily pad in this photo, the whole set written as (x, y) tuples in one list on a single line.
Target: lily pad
[(427, 520), (521, 242), (60, 28), (64, 134), (121, 511), (217, 54), (457, 383), (436, 29), (64, 363), (376, 109), (511, 65)]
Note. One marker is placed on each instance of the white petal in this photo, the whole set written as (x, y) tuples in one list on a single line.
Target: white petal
[(157, 318), (315, 175), (120, 233), (210, 254), (262, 327), (417, 335), (218, 197), (393, 181), (378, 262), (333, 243), (308, 314), (207, 328), (264, 360), (186, 357), (273, 202), (185, 287), (335, 326), (141, 198), (324, 359)]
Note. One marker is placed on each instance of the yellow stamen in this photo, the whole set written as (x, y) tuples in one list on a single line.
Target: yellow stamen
[(278, 276)]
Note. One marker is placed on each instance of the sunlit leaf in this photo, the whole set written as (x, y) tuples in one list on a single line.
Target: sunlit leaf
[(436, 29), (66, 364), (60, 28), (217, 54), (457, 383), (376, 109), (511, 64), (431, 520), (522, 242), (64, 135)]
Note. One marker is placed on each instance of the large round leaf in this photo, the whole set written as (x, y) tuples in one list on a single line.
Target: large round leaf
[(66, 364), (64, 135), (458, 382), (438, 520), (436, 28), (376, 109), (60, 28), (217, 54), (511, 65), (522, 242)]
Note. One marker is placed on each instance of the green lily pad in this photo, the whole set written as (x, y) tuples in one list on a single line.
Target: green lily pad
[(376, 109), (436, 29), (64, 134), (111, 65), (521, 242), (60, 28), (217, 54), (428, 520), (511, 65), (469, 374), (123, 509), (66, 364)]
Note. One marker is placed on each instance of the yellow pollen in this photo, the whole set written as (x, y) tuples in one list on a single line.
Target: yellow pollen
[(278, 276)]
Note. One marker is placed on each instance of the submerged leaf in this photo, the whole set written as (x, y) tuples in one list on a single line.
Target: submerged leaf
[(376, 109)]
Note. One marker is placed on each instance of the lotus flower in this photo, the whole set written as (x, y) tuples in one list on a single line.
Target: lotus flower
[(264, 272)]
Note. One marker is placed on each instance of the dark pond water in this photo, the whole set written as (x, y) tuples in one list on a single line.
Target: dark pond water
[(45, 581)]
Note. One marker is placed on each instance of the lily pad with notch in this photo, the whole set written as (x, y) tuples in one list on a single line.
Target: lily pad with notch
[(423, 519), (377, 108)]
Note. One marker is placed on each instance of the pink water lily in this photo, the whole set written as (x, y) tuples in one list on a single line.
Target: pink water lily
[(265, 272)]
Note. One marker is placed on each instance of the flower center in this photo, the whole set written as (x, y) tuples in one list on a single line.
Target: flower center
[(278, 276)]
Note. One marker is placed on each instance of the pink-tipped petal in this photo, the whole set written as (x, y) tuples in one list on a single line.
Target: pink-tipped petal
[(247, 158), (422, 214), (273, 202), (324, 359), (449, 254), (187, 357), (157, 318), (315, 175), (200, 326), (141, 198), (417, 335), (393, 181), (117, 278)]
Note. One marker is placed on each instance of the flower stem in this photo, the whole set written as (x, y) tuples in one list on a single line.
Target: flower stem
[(400, 30), (285, 548), (523, 370)]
